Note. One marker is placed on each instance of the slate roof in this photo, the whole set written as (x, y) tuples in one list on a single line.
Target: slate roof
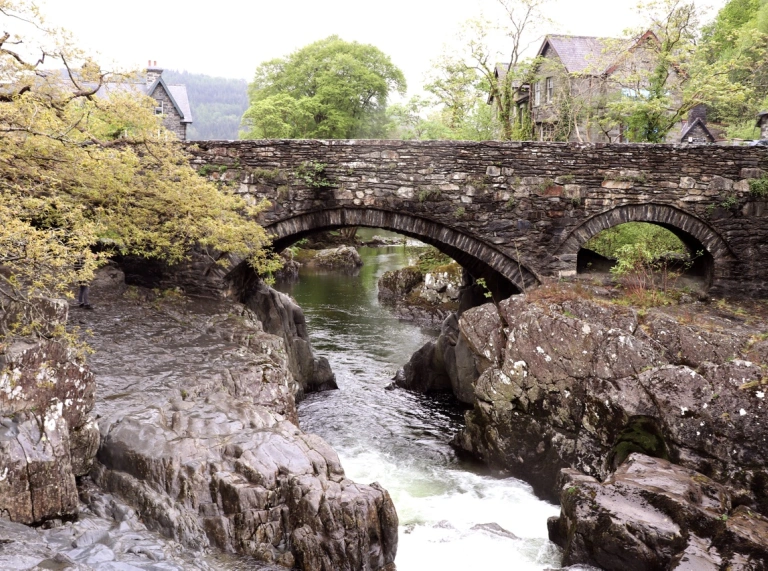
[(690, 128), (177, 95), (760, 117), (583, 53)]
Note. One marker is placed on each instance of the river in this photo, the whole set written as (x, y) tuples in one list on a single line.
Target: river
[(401, 440)]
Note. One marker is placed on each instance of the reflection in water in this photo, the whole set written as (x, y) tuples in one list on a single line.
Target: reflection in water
[(401, 439)]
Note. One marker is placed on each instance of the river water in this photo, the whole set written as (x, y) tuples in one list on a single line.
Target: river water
[(401, 440)]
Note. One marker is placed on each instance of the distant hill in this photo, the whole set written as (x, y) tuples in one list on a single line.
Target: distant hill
[(217, 104)]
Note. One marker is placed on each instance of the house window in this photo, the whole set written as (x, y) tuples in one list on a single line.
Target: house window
[(537, 94), (159, 108), (547, 132), (550, 92)]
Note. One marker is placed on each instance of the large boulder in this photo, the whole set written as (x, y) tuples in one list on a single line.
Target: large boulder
[(341, 258), (425, 298), (651, 514), (581, 384), (47, 437)]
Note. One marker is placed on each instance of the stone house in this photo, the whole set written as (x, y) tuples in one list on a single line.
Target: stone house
[(575, 77), (172, 101), (695, 130)]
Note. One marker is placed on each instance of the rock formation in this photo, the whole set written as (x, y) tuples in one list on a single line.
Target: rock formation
[(199, 434), (651, 514), (47, 436), (425, 298), (568, 388), (341, 258)]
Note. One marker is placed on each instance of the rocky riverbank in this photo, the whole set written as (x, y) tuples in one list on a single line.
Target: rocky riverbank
[(196, 410), (566, 387), (426, 297)]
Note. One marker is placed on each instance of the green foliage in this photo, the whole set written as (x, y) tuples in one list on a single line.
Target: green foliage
[(659, 241), (644, 254), (312, 173), (330, 89), (486, 292), (429, 194), (737, 41), (758, 187), (679, 75), (80, 174), (431, 258), (460, 212), (729, 201)]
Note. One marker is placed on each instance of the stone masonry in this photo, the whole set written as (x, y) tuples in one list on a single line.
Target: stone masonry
[(521, 210)]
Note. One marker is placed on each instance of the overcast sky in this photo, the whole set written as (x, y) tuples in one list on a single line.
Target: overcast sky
[(229, 38)]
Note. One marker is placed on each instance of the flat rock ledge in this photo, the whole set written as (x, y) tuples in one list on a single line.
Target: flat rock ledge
[(194, 432)]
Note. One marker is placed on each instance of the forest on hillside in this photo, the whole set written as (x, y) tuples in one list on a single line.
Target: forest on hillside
[(217, 104)]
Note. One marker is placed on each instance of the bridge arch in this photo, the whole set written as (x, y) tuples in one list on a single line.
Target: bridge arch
[(504, 274), (691, 230)]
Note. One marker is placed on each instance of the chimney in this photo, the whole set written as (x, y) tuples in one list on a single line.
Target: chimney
[(698, 112), (153, 72)]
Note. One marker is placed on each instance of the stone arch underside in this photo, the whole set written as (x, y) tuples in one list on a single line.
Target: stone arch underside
[(478, 257), (692, 231)]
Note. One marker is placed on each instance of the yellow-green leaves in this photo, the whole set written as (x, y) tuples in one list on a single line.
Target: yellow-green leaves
[(86, 166)]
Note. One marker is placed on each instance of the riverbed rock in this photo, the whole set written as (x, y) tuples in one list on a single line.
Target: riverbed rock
[(395, 285), (207, 450), (581, 384), (47, 437), (651, 514), (281, 316), (341, 258), (424, 298)]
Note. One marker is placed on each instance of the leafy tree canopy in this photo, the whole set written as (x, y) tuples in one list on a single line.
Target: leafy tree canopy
[(739, 34), (86, 167), (330, 89)]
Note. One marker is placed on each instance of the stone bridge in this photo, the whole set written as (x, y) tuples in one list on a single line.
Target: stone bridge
[(510, 212)]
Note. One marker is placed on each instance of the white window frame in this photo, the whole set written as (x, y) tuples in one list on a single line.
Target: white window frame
[(537, 94), (549, 92)]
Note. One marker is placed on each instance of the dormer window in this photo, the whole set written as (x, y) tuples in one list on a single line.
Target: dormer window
[(159, 108)]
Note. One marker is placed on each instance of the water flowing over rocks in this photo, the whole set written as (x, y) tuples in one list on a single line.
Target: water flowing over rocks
[(198, 419), (566, 388), (199, 439)]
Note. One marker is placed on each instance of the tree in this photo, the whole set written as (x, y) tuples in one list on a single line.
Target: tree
[(738, 37), (330, 89), (677, 78), (464, 80), (87, 171)]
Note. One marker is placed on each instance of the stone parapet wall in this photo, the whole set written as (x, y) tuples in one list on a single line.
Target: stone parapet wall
[(520, 208)]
